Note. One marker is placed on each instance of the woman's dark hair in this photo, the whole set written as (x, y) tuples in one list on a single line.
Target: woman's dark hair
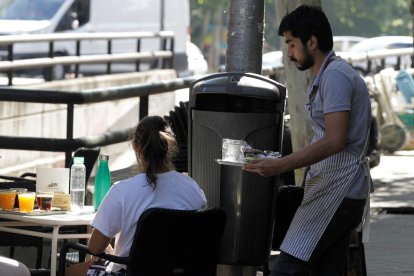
[(305, 21), (157, 145)]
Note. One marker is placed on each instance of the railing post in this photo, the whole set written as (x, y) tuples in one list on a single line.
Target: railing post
[(398, 65), (78, 49), (137, 63), (108, 65), (49, 69), (163, 48), (69, 133), (10, 58), (143, 106), (382, 63), (172, 50), (369, 65)]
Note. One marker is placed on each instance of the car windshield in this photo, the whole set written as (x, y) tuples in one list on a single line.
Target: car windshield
[(29, 9)]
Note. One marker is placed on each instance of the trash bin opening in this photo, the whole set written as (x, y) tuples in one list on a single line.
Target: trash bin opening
[(232, 103)]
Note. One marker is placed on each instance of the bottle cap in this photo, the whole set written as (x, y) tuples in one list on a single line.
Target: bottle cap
[(78, 160), (104, 156)]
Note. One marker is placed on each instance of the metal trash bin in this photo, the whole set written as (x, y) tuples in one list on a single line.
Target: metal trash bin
[(242, 106)]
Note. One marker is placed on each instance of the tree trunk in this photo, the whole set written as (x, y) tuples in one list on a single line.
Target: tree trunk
[(412, 14), (245, 36), (296, 83)]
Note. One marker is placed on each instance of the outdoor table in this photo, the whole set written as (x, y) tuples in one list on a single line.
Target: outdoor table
[(55, 221)]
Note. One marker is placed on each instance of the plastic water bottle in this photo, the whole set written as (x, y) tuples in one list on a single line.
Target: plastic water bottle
[(77, 183), (102, 180)]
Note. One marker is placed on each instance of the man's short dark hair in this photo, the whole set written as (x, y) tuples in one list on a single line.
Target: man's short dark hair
[(305, 21)]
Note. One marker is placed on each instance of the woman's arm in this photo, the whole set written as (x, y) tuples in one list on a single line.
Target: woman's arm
[(99, 243)]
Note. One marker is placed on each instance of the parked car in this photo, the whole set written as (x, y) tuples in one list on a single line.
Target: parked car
[(197, 64), (272, 59), (382, 42), (373, 44), (343, 43)]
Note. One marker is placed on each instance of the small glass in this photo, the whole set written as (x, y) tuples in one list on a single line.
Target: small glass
[(232, 150), (7, 199), (26, 201), (44, 200), (18, 191)]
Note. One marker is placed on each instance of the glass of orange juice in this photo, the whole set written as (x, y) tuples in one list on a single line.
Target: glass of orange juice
[(7, 198), (26, 201)]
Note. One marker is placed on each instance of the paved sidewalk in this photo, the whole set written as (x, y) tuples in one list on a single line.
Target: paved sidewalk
[(390, 251), (391, 247)]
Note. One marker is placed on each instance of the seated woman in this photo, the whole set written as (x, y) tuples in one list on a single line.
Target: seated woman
[(159, 185)]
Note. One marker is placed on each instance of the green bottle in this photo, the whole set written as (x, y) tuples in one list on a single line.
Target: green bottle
[(102, 180)]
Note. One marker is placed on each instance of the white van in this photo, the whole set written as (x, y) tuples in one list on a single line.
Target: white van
[(51, 16)]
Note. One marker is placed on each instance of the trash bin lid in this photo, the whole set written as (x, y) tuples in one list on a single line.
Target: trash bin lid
[(238, 84)]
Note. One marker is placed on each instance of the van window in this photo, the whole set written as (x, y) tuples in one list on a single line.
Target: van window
[(399, 45), (76, 16), (29, 9)]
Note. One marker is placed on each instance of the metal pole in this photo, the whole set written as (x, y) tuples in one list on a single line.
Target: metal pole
[(10, 58), (244, 54), (162, 28), (245, 36), (69, 132), (162, 15)]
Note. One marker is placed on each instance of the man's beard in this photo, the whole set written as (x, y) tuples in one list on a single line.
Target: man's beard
[(308, 61)]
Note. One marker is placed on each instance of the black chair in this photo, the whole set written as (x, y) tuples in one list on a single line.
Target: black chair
[(355, 263), (178, 118), (169, 242)]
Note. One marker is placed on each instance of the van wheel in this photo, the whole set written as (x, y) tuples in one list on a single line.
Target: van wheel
[(393, 137)]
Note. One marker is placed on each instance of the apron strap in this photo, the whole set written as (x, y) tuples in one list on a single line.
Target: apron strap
[(365, 224)]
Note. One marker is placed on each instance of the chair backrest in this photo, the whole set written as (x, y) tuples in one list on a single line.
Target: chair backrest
[(17, 182), (166, 240), (90, 156)]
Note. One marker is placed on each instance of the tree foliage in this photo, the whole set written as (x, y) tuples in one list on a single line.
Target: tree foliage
[(369, 17), (351, 17)]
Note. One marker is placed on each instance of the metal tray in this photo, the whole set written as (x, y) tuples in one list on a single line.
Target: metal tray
[(36, 212), (229, 163)]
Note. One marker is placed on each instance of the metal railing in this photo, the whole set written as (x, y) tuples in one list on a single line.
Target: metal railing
[(379, 56), (49, 59), (70, 144), (365, 59)]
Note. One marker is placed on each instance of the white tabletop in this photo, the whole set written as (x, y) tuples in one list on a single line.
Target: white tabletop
[(82, 217)]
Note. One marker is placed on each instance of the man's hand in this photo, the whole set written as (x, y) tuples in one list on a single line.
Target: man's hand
[(264, 167)]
